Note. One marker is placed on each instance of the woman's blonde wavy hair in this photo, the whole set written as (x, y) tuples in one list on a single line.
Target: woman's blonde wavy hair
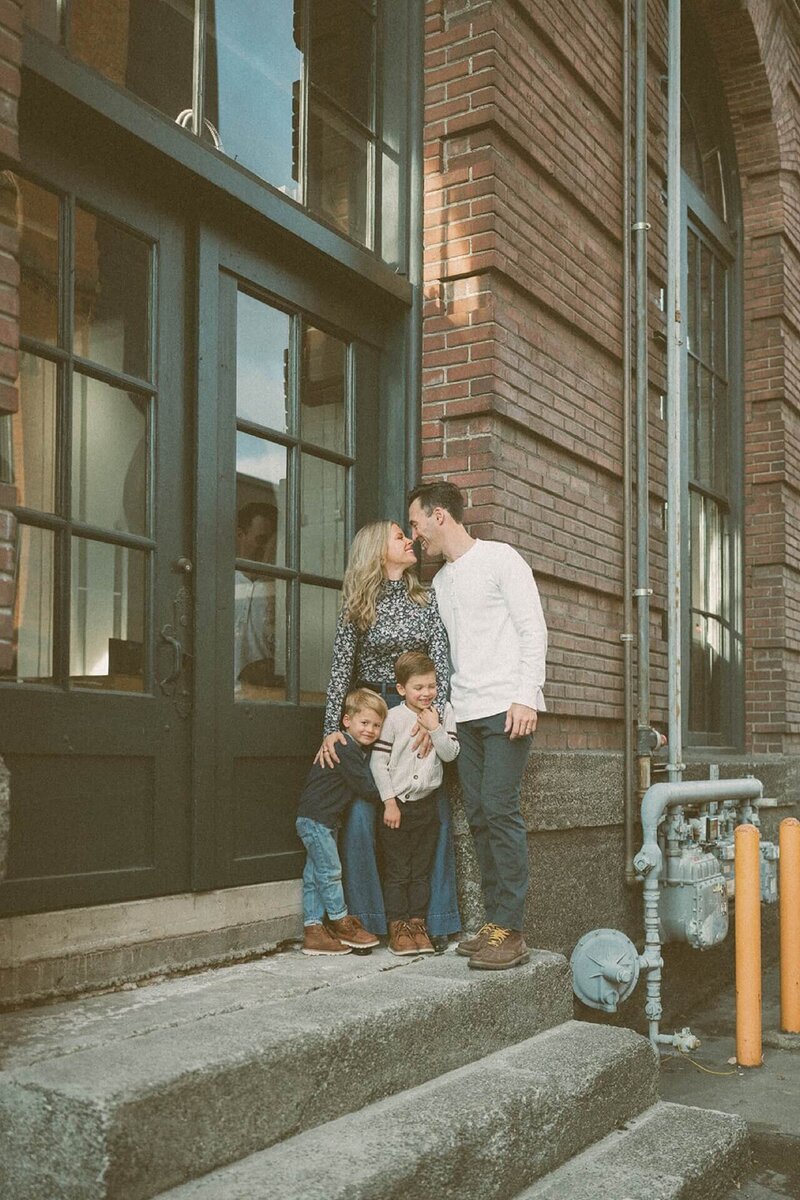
[(364, 577)]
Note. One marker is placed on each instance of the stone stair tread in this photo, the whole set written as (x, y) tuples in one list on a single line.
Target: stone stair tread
[(53, 1030), (484, 1130), (137, 1114), (669, 1152)]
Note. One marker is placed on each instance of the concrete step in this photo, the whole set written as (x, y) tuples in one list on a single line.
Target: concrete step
[(485, 1130), (670, 1152), (142, 1097)]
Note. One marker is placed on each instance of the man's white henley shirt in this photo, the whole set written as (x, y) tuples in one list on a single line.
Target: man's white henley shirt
[(490, 606)]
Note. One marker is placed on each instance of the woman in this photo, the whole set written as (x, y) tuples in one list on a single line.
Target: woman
[(385, 611)]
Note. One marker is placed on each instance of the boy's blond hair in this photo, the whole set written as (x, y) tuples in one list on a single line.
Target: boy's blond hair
[(413, 662), (364, 698)]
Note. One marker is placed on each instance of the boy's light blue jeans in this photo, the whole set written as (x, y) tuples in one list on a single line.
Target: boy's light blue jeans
[(322, 876)]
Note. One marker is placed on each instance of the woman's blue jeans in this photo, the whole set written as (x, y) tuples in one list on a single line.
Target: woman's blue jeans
[(362, 883)]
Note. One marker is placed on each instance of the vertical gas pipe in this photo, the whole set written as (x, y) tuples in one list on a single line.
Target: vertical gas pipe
[(789, 900), (627, 466), (643, 590), (747, 868), (674, 342)]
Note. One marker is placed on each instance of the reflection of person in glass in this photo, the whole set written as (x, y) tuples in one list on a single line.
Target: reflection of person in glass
[(254, 646)]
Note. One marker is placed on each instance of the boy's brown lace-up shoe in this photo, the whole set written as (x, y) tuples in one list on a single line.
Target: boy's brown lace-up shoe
[(420, 935), (472, 945), (503, 948), (317, 940), (350, 931), (401, 939)]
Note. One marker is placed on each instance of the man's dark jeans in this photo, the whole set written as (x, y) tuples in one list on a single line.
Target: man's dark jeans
[(490, 767), (408, 854)]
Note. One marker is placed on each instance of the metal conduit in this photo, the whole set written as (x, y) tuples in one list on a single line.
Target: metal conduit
[(674, 342), (627, 464), (640, 230)]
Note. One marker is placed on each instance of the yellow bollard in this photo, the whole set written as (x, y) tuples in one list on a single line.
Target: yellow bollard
[(748, 946), (789, 904)]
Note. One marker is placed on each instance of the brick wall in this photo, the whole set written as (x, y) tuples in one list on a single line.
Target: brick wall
[(523, 325), (10, 59)]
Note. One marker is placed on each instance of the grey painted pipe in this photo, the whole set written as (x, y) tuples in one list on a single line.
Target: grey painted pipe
[(648, 861)]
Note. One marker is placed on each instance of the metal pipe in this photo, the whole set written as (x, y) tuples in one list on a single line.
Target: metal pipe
[(627, 464), (640, 231), (649, 863), (748, 946), (695, 791), (789, 900), (674, 343)]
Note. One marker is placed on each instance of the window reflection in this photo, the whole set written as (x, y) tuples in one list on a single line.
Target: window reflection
[(143, 45), (259, 671), (319, 608), (112, 295), (109, 456), (322, 395), (262, 357), (322, 505), (28, 436), (33, 607), (107, 609), (338, 174), (261, 474), (254, 65), (342, 54), (31, 213)]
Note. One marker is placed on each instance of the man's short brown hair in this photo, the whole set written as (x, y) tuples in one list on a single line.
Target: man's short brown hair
[(439, 494), (413, 662), (364, 698)]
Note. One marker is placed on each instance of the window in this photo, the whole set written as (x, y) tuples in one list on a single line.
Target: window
[(294, 480), (712, 409), (78, 450), (295, 91)]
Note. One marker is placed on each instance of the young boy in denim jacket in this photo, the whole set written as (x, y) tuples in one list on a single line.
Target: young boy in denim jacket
[(323, 802)]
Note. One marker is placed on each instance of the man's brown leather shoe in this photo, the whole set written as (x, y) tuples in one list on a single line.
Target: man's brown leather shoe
[(350, 931), (472, 945), (420, 935), (317, 940), (401, 939), (504, 948)]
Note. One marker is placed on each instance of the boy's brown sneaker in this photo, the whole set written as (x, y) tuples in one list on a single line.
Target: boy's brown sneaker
[(317, 940), (401, 939), (472, 945), (504, 948), (420, 935), (350, 931)]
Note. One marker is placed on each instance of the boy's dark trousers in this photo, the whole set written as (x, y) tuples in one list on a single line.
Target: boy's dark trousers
[(408, 854)]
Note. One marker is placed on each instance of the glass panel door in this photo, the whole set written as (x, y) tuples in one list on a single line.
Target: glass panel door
[(94, 704), (293, 404)]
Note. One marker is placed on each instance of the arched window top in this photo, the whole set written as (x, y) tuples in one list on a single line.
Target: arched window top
[(705, 138)]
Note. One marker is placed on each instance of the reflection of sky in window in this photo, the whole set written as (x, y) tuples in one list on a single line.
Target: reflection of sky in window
[(262, 338), (257, 63), (260, 459)]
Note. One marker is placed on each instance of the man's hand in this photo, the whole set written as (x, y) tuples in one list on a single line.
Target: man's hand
[(520, 721), (421, 742), (326, 756), (391, 813)]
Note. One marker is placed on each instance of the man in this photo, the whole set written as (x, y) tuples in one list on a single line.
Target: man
[(254, 648), (491, 610)]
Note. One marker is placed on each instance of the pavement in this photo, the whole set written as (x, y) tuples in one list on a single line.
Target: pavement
[(768, 1097)]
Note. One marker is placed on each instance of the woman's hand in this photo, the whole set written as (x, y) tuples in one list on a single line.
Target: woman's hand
[(391, 813), (421, 742), (326, 756)]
